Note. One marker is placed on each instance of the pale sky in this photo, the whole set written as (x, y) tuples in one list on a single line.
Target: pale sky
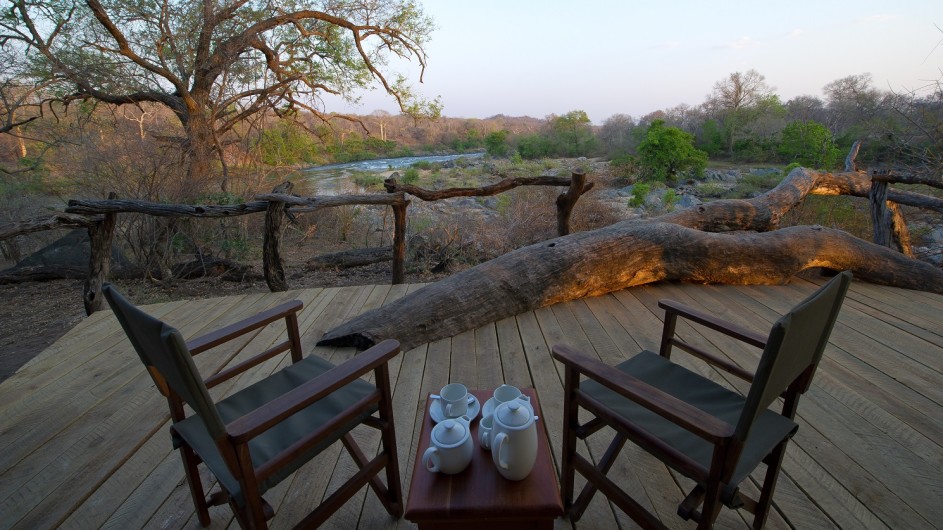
[(535, 58)]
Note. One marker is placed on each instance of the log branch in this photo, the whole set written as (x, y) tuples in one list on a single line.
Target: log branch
[(50, 222), (623, 255), (728, 241), (392, 186)]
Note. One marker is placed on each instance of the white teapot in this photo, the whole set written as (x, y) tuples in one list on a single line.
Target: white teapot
[(514, 440), (451, 449)]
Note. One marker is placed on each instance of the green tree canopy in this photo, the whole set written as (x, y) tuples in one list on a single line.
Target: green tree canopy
[(667, 151), (572, 133), (809, 143), (216, 64), (496, 144)]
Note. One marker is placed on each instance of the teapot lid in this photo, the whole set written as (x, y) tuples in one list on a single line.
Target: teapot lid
[(514, 414), (449, 432)]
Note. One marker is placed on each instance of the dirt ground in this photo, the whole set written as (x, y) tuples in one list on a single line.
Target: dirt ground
[(33, 315)]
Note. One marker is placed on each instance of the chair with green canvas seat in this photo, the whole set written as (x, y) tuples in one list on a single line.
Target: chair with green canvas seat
[(259, 435), (699, 428)]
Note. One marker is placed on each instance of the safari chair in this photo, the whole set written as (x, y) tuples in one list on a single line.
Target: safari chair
[(702, 430), (262, 433)]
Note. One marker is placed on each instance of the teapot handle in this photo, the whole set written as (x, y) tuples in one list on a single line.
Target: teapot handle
[(497, 446), (430, 459)]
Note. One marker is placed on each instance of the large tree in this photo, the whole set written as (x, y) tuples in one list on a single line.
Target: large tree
[(734, 101), (217, 63)]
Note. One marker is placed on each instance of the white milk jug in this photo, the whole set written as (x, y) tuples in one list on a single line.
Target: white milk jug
[(514, 440)]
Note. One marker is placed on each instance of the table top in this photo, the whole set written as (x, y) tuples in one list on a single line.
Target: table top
[(480, 492)]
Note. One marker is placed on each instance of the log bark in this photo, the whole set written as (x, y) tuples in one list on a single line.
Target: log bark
[(99, 261), (350, 258), (730, 241), (273, 267), (399, 243), (392, 186), (47, 222), (566, 201)]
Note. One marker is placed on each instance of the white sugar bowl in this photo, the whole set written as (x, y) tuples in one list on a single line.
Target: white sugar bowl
[(451, 449), (514, 440)]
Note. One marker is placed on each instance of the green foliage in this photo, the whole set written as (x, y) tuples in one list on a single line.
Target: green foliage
[(571, 135), (711, 138), (667, 151), (411, 175), (809, 144), (639, 192), (709, 189), (670, 198), (471, 140), (356, 147), (286, 143), (496, 144), (625, 167), (534, 146), (368, 180)]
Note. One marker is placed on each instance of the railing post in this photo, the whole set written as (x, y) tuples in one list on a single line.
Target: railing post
[(877, 198), (399, 242), (100, 235), (272, 263)]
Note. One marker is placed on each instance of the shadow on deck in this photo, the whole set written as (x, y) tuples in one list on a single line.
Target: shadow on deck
[(84, 442)]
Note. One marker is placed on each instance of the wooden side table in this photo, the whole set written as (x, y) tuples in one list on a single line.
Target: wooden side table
[(479, 498)]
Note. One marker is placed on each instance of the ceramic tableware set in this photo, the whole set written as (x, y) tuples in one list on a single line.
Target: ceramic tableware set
[(507, 428)]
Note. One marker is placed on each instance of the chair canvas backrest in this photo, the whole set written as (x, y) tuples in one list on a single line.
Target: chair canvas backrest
[(162, 347), (795, 344)]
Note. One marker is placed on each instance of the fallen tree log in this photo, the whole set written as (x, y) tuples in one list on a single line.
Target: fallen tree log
[(683, 245), (623, 255), (350, 258)]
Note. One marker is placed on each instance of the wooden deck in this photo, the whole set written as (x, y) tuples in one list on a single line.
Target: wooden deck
[(84, 442)]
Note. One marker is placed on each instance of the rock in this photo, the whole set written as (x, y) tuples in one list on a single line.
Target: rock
[(70, 254)]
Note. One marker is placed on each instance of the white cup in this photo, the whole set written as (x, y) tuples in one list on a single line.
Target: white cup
[(484, 431), (506, 393), (453, 400)]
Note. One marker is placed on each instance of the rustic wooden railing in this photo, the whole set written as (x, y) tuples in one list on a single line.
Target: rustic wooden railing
[(100, 218), (887, 220)]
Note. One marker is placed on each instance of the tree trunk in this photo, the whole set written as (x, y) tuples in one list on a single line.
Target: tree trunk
[(682, 245), (350, 258)]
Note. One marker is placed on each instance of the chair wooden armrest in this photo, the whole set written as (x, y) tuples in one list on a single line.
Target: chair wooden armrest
[(691, 418), (673, 310), (287, 310), (225, 334), (258, 421)]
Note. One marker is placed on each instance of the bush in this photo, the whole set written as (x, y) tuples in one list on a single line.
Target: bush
[(668, 151), (639, 192), (410, 176), (625, 167), (670, 198)]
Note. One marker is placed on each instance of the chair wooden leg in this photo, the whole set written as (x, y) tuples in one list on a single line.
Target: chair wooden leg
[(712, 506), (191, 468), (603, 466), (774, 463), (388, 440), (570, 424)]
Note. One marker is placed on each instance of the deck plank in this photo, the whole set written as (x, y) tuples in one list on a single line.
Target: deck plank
[(83, 433)]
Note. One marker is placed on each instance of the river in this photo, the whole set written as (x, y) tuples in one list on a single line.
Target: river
[(334, 179)]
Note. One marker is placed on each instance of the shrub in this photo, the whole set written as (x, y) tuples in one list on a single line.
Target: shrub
[(639, 192), (410, 176), (670, 198), (668, 151)]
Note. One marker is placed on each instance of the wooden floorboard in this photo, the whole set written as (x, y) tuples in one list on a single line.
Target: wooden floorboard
[(84, 443)]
